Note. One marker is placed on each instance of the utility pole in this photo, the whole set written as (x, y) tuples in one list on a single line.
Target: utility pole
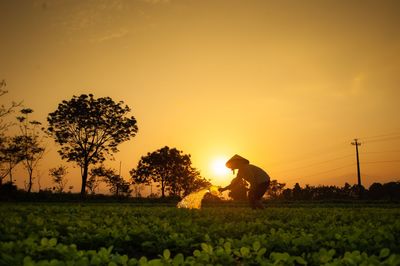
[(356, 143)]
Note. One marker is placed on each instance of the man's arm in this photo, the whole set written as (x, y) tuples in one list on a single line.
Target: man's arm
[(232, 184)]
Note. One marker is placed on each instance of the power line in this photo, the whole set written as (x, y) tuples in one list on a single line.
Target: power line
[(372, 152), (389, 161), (318, 163), (382, 135), (383, 139), (329, 171), (356, 143), (313, 154), (324, 172), (343, 167)]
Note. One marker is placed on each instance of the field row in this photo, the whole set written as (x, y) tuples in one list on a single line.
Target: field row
[(73, 234)]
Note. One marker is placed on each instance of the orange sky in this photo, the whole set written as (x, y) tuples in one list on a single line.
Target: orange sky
[(286, 84)]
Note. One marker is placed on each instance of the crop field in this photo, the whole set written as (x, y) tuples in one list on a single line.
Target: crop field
[(125, 234)]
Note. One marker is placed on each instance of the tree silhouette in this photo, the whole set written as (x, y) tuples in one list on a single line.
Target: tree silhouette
[(376, 191), (113, 180), (5, 110), (275, 189), (171, 169), (297, 191), (58, 174), (11, 154), (392, 190), (31, 144), (93, 183), (189, 181), (89, 129)]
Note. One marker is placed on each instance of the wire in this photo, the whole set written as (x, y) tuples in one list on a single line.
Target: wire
[(382, 135), (313, 154), (389, 161), (308, 156), (329, 171), (372, 152), (343, 167), (319, 163), (383, 139), (324, 172)]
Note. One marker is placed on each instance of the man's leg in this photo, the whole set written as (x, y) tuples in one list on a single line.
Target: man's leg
[(259, 193), (252, 200)]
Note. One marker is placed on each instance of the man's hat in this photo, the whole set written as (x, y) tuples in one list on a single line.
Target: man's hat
[(236, 161)]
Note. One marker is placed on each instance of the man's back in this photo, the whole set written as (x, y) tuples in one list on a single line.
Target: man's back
[(253, 174)]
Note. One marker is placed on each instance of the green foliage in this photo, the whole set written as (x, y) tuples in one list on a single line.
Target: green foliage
[(127, 235)]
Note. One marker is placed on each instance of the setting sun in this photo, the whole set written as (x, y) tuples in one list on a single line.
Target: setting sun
[(218, 167)]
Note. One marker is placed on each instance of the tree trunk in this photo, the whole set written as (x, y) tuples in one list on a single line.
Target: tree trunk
[(84, 179), (162, 189), (30, 181), (10, 173)]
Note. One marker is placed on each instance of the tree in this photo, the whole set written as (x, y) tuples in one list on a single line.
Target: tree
[(89, 129), (8, 151), (297, 191), (275, 189), (31, 144), (392, 190), (11, 154), (58, 174), (5, 110), (171, 169), (137, 188), (113, 180), (376, 191), (189, 181), (93, 183)]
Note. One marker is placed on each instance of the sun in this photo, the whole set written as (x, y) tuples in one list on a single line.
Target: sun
[(218, 167)]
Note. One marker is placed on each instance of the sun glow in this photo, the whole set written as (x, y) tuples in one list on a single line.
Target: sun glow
[(218, 167)]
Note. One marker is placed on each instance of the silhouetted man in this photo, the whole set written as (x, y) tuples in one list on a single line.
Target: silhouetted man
[(259, 180)]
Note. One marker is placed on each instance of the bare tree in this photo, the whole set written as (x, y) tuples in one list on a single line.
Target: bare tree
[(31, 143), (5, 110), (8, 151)]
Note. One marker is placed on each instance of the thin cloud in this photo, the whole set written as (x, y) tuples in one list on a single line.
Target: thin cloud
[(157, 1), (114, 35)]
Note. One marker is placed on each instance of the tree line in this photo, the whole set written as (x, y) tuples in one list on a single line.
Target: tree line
[(88, 131), (278, 191)]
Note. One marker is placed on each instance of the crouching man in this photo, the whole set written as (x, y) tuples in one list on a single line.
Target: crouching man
[(259, 180)]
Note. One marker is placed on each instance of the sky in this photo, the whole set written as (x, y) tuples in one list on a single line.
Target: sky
[(286, 84)]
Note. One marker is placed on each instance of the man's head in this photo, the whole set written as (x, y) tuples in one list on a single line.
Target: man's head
[(236, 162)]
